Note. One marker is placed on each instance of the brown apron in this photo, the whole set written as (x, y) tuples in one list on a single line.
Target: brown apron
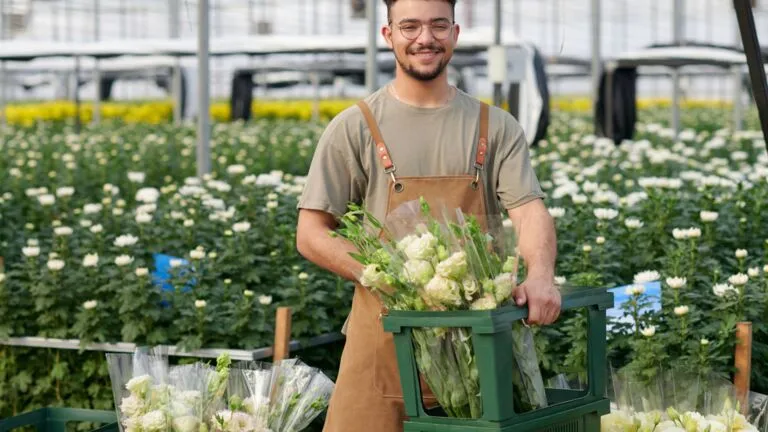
[(368, 396)]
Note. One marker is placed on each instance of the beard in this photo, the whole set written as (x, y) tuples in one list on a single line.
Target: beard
[(423, 75)]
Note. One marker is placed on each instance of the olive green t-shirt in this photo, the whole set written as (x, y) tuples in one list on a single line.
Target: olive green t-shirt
[(422, 142)]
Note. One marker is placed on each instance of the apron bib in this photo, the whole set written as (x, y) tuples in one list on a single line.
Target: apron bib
[(368, 395)]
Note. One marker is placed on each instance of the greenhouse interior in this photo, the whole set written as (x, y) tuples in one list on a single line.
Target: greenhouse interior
[(275, 215)]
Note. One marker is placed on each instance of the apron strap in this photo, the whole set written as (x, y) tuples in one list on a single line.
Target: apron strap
[(381, 148), (482, 143)]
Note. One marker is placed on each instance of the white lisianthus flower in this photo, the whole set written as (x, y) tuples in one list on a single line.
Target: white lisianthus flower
[(693, 233), (648, 331), (2, 277), (741, 253), (633, 223), (241, 227), (503, 285), (30, 251), (46, 200), (616, 421), (139, 385), (64, 192), (248, 293), (136, 177), (418, 272), (453, 267), (153, 421), (176, 262), (681, 310), (271, 205), (142, 271), (131, 405), (303, 276), (704, 341), (471, 287), (91, 260), (123, 260), (125, 240), (605, 213), (646, 276), (765, 268), (372, 277), (442, 291), (90, 304), (423, 247), (679, 234), (722, 289), (143, 218), (636, 289), (708, 216), (147, 195), (97, 229), (753, 272), (187, 423), (676, 282), (265, 300), (600, 240), (738, 279), (586, 248), (557, 212), (486, 302), (63, 231), (200, 304), (55, 265), (197, 254)]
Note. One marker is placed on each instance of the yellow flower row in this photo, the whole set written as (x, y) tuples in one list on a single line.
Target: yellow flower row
[(155, 112)]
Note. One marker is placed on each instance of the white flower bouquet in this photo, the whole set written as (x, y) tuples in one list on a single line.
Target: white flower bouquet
[(246, 397), (426, 258)]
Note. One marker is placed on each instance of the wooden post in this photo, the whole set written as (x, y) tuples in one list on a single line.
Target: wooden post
[(743, 363), (282, 348)]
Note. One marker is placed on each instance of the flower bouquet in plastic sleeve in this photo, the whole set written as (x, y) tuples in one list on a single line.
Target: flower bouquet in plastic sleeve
[(434, 258)]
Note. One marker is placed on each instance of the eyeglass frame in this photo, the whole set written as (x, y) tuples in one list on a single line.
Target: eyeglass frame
[(421, 27)]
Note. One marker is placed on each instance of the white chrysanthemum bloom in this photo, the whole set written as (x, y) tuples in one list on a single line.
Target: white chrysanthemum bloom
[(63, 231), (693, 233), (560, 280), (90, 304), (136, 176), (303, 276), (453, 267), (65, 192), (241, 227), (418, 272), (557, 212), (125, 240), (679, 234), (422, 247), (142, 271), (139, 385), (235, 169), (616, 421), (131, 405), (503, 285), (30, 251), (704, 341), (97, 228), (248, 293), (676, 282), (46, 200), (55, 265), (189, 223), (586, 248), (753, 272), (605, 213), (681, 310), (486, 302), (153, 421), (91, 260), (738, 279), (147, 195), (765, 268), (197, 254), (123, 260), (600, 240), (633, 223), (443, 291), (265, 300), (85, 223), (741, 253), (636, 289), (722, 289), (646, 276), (187, 423), (648, 331), (200, 304), (143, 218), (579, 199), (176, 262), (2, 277), (708, 216)]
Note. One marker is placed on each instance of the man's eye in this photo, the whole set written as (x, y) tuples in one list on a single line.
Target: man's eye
[(440, 27), (409, 28)]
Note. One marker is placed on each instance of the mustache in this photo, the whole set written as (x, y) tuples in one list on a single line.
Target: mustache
[(426, 48)]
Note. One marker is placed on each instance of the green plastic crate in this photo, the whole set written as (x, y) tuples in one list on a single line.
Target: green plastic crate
[(567, 410), (56, 419)]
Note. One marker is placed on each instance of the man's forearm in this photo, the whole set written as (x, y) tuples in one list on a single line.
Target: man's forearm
[(537, 240), (330, 253)]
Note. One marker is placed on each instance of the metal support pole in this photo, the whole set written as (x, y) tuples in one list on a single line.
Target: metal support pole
[(96, 69), (737, 107), (497, 97), (203, 131), (3, 74), (175, 30), (678, 36), (754, 61), (517, 17), (596, 67), (371, 65)]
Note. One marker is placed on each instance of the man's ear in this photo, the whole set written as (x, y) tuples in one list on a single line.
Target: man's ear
[(386, 32)]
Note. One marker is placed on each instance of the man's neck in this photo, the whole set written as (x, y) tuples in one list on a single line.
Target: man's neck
[(424, 94)]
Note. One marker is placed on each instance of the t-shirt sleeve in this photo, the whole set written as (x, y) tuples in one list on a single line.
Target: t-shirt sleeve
[(517, 182), (335, 176)]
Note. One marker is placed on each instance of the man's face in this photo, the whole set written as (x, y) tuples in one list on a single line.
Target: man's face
[(422, 36)]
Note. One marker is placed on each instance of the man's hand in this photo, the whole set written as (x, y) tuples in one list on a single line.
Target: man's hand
[(543, 299)]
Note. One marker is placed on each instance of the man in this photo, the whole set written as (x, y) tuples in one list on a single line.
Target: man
[(417, 136)]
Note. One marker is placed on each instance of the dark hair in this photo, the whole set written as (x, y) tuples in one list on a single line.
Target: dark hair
[(389, 4)]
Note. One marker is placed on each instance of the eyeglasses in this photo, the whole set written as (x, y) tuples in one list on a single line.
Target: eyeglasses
[(411, 30)]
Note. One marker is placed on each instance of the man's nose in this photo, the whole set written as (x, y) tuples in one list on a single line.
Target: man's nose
[(426, 37)]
